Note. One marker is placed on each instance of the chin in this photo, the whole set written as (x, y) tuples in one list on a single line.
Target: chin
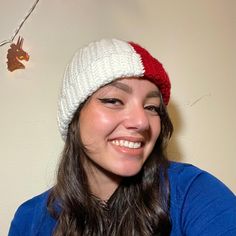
[(128, 172)]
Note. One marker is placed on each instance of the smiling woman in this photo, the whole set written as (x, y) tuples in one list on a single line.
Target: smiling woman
[(125, 131), (114, 177)]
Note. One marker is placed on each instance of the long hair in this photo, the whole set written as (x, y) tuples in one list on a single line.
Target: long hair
[(139, 206)]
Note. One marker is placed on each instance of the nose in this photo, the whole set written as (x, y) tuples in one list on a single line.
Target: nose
[(136, 119)]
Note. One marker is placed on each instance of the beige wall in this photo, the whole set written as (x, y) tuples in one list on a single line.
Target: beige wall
[(195, 40)]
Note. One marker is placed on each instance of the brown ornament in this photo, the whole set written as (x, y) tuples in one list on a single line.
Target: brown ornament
[(15, 55)]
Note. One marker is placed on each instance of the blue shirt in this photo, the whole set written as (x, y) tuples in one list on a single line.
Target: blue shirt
[(200, 205)]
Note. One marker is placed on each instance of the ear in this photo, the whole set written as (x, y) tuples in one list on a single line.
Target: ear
[(18, 41), (21, 42)]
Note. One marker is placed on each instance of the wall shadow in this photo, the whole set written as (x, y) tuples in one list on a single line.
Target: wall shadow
[(174, 151)]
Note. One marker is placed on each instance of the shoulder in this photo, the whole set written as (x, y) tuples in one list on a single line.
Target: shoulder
[(35, 202), (30, 215), (200, 203), (183, 171), (186, 177), (27, 209)]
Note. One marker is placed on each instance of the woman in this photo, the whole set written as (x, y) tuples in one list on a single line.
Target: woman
[(114, 178)]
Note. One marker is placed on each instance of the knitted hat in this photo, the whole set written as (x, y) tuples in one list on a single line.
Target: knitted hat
[(100, 63)]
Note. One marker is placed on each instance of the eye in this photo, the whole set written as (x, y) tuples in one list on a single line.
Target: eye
[(112, 101), (153, 109)]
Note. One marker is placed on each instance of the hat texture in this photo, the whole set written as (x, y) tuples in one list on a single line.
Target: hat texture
[(100, 63)]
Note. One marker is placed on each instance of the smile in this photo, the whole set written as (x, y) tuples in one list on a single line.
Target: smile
[(127, 144)]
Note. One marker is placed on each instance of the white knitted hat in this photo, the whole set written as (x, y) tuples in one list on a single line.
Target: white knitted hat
[(100, 63)]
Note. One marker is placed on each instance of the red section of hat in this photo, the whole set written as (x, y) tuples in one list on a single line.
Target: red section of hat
[(154, 71)]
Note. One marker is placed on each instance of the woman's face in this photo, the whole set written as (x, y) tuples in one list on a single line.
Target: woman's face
[(119, 126)]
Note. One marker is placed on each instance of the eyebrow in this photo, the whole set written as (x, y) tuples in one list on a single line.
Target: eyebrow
[(122, 86), (129, 90), (155, 93)]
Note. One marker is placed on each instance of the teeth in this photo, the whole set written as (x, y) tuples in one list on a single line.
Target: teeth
[(128, 144)]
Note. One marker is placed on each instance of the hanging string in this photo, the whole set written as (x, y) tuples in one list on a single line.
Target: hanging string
[(20, 25)]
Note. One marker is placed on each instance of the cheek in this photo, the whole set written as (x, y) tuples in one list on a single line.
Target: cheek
[(156, 128), (95, 123)]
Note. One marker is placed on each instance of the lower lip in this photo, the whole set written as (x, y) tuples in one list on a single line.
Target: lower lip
[(128, 151)]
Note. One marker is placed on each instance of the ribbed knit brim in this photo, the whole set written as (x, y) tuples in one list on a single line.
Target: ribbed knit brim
[(100, 63)]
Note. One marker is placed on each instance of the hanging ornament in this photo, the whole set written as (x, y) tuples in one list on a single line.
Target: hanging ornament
[(15, 55)]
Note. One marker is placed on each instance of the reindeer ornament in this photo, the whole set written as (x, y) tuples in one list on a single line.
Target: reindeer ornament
[(15, 55)]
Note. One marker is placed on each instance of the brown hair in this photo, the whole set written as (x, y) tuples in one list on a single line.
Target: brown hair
[(139, 206)]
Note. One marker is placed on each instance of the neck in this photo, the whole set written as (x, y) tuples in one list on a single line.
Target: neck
[(102, 183), (103, 188)]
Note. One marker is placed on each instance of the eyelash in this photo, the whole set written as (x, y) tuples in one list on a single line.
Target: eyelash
[(116, 101), (111, 101), (154, 109)]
